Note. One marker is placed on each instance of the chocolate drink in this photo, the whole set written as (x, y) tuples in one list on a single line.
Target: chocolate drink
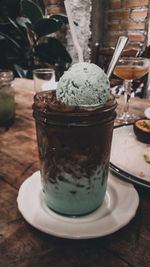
[(74, 150)]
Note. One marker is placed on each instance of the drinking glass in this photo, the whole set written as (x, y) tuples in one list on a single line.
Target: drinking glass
[(129, 69), (44, 79), (7, 102)]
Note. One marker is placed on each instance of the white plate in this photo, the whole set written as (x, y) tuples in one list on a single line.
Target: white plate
[(147, 113), (127, 156), (119, 207)]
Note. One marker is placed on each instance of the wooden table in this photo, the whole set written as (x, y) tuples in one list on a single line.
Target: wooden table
[(21, 244)]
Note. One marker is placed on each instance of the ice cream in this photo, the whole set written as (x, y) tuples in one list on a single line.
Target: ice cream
[(84, 84)]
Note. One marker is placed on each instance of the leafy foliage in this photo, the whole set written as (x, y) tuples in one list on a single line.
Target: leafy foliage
[(29, 45)]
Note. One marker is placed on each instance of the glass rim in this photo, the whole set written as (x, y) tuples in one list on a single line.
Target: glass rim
[(77, 111), (43, 70), (6, 74), (134, 58), (6, 71)]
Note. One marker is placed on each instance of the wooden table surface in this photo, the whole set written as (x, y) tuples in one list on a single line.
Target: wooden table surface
[(21, 244)]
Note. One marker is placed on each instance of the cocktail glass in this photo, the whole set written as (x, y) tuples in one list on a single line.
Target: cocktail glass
[(129, 69)]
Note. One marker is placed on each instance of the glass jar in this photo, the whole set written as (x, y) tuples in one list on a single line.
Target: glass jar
[(7, 103), (74, 151)]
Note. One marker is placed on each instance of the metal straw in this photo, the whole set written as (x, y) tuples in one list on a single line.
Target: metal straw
[(122, 41)]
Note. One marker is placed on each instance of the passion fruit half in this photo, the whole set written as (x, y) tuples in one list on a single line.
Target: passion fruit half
[(142, 130)]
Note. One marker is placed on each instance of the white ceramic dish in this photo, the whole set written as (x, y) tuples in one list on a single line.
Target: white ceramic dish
[(147, 113), (127, 157), (119, 207)]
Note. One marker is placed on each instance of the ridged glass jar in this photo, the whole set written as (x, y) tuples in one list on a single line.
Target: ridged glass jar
[(74, 151), (7, 103)]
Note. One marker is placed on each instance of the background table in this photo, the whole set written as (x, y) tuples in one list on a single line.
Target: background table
[(21, 244)]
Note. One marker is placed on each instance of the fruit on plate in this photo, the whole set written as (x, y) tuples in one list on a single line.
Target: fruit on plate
[(142, 130)]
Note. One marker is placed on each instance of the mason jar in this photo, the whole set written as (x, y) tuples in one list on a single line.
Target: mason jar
[(7, 103), (74, 150)]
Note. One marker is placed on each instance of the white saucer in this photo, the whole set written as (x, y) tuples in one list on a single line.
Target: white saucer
[(119, 207), (147, 113)]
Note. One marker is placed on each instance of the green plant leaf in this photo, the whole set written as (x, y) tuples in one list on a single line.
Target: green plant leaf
[(53, 52), (11, 2), (31, 10), (14, 24), (22, 73), (61, 17), (42, 6), (47, 26), (12, 43), (18, 29), (23, 22)]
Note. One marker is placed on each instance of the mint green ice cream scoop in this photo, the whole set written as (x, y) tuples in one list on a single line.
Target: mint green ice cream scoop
[(84, 84)]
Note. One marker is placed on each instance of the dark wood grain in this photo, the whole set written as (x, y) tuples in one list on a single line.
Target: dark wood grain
[(21, 244)]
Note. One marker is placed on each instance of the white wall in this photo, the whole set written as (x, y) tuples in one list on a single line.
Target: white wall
[(81, 13)]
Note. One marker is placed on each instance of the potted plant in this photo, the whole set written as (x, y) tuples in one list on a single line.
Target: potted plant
[(32, 40)]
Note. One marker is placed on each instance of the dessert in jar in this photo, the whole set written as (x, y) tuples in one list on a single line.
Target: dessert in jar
[(74, 126)]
